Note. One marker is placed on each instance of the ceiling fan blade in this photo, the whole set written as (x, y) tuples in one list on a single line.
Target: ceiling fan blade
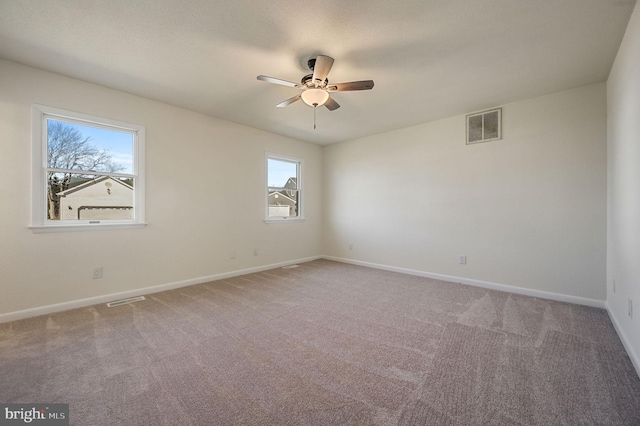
[(352, 85), (277, 81), (331, 104), (321, 68), (288, 101)]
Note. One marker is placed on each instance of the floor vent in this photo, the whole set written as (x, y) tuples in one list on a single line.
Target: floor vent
[(125, 301), (291, 267)]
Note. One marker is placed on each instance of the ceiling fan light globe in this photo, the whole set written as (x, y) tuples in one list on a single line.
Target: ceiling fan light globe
[(315, 97)]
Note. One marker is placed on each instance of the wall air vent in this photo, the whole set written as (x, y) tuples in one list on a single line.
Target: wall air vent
[(290, 267), (484, 126)]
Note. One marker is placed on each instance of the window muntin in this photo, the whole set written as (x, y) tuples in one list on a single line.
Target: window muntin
[(87, 171), (283, 188)]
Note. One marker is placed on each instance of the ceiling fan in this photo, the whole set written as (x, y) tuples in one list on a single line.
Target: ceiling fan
[(316, 88)]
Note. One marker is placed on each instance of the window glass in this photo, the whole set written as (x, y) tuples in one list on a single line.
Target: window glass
[(81, 147), (283, 188), (70, 196)]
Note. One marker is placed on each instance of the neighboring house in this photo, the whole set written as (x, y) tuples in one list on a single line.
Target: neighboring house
[(284, 203), (292, 183), (101, 199), (280, 204)]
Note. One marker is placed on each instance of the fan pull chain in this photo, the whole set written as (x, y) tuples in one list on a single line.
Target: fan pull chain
[(315, 107)]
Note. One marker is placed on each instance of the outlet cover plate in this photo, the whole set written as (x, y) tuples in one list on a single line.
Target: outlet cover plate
[(97, 272)]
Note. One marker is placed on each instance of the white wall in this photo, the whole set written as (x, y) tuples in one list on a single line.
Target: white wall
[(205, 198), (623, 242), (528, 211)]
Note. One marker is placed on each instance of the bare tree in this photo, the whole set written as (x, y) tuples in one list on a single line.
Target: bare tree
[(68, 149)]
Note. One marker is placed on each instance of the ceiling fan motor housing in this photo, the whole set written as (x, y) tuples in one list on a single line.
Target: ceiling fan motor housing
[(311, 63), (307, 80)]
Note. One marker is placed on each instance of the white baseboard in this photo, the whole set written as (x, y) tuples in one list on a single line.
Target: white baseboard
[(477, 283), (44, 310), (80, 303), (635, 360)]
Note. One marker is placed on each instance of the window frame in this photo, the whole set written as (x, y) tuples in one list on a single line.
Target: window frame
[(39, 221), (299, 166)]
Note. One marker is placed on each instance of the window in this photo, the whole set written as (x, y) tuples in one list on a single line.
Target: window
[(283, 188), (484, 126), (87, 172)]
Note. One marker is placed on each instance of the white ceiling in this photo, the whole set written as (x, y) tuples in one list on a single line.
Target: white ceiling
[(429, 58)]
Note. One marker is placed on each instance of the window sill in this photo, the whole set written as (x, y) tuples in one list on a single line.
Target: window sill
[(283, 220), (41, 229)]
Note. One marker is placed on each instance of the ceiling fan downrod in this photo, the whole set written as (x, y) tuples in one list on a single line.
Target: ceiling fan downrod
[(315, 107)]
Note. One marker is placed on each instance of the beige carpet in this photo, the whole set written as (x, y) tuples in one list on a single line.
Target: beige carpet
[(325, 344)]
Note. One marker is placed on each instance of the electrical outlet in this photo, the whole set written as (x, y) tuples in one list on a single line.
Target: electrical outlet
[(613, 284), (97, 272), (256, 252), (630, 308), (462, 260), (232, 254), (350, 246)]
